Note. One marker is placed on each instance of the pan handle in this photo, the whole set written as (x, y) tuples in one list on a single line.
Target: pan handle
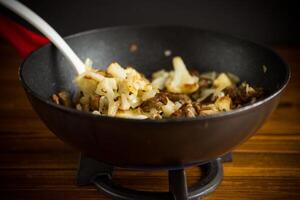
[(21, 38)]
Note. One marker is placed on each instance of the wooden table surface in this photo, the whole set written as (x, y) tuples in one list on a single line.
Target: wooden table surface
[(36, 165)]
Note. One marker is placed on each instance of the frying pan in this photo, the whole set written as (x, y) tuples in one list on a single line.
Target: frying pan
[(166, 143)]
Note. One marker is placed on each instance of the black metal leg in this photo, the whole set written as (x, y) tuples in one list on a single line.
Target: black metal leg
[(89, 168), (91, 171), (212, 177), (178, 184), (106, 185)]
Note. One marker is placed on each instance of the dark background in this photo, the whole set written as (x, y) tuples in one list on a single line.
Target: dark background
[(266, 21)]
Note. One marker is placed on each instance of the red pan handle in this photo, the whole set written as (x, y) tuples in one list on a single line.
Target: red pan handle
[(24, 40)]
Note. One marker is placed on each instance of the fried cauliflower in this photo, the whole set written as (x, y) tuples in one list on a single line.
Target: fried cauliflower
[(124, 92)]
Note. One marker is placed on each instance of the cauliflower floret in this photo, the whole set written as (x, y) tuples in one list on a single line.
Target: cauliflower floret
[(180, 80), (107, 88), (209, 109), (87, 81), (134, 100), (222, 82), (103, 105), (96, 112), (134, 89), (87, 85), (136, 80), (125, 105), (249, 90), (113, 107), (170, 107), (205, 93), (133, 114), (129, 98), (148, 94), (159, 79), (223, 103), (116, 71)]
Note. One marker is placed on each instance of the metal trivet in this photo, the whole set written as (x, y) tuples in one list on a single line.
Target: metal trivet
[(93, 172)]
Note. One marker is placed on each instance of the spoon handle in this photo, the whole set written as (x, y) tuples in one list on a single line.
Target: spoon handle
[(46, 29)]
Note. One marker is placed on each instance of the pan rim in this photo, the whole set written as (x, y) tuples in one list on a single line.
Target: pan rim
[(167, 120)]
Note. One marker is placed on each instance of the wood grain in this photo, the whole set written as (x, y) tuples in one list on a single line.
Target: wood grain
[(35, 165)]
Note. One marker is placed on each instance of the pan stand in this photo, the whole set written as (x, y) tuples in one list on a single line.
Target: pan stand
[(93, 172)]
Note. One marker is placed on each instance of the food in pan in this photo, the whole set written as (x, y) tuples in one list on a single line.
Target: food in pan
[(124, 92)]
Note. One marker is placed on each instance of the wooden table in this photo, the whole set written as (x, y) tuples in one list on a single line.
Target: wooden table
[(35, 165)]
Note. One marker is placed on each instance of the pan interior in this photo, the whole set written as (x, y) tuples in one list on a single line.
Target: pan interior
[(47, 71)]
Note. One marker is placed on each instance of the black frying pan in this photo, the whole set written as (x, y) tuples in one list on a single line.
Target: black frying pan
[(154, 143)]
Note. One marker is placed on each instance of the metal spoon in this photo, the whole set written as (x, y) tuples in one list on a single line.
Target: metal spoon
[(47, 30)]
